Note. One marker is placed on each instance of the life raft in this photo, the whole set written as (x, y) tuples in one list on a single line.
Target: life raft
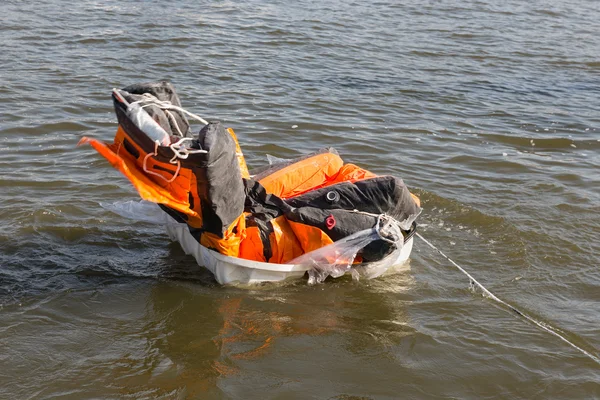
[(314, 213)]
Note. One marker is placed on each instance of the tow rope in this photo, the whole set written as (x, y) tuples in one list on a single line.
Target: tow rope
[(488, 294)]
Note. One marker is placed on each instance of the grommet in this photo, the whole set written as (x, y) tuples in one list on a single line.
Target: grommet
[(332, 196), (330, 222)]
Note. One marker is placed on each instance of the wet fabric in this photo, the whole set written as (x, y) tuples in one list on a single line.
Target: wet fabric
[(219, 183), (262, 172), (162, 91), (343, 224), (381, 195), (302, 176), (289, 209)]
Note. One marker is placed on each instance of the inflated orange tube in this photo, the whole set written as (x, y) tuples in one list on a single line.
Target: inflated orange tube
[(303, 176), (351, 173)]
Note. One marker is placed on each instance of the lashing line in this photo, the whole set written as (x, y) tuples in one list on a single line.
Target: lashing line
[(488, 294)]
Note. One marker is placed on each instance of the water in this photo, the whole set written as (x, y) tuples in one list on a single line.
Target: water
[(488, 110)]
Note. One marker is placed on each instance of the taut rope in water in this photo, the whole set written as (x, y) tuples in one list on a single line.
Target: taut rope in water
[(490, 295)]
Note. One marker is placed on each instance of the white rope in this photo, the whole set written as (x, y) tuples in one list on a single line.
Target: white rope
[(156, 144), (174, 122), (490, 295), (183, 152), (178, 148), (166, 105), (388, 226), (163, 104)]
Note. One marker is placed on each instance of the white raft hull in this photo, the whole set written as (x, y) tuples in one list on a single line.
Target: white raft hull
[(228, 270)]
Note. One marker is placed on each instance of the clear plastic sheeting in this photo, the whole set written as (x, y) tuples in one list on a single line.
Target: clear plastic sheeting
[(143, 211), (338, 258), (377, 268)]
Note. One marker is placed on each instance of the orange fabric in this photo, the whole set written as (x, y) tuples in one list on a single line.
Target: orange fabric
[(303, 176), (229, 244), (175, 194), (170, 195), (179, 185), (310, 237), (284, 244), (251, 248), (351, 173), (288, 239), (240, 155)]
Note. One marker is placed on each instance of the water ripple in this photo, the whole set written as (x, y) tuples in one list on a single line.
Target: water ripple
[(484, 108)]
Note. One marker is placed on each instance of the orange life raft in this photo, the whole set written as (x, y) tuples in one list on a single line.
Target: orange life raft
[(271, 215)]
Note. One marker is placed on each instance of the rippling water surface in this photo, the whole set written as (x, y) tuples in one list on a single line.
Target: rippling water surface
[(488, 110)]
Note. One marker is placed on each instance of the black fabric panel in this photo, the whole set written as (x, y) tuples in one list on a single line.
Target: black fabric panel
[(130, 148), (261, 172), (265, 235), (191, 200), (260, 204), (346, 224), (163, 91), (265, 228), (159, 168), (384, 194), (376, 196), (220, 185), (376, 250)]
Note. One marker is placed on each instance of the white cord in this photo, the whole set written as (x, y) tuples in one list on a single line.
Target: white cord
[(490, 295), (384, 227), (183, 152), (174, 121), (166, 105), (179, 150)]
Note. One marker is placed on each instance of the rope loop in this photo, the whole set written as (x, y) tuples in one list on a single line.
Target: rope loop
[(167, 105), (145, 167), (183, 152), (387, 227)]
